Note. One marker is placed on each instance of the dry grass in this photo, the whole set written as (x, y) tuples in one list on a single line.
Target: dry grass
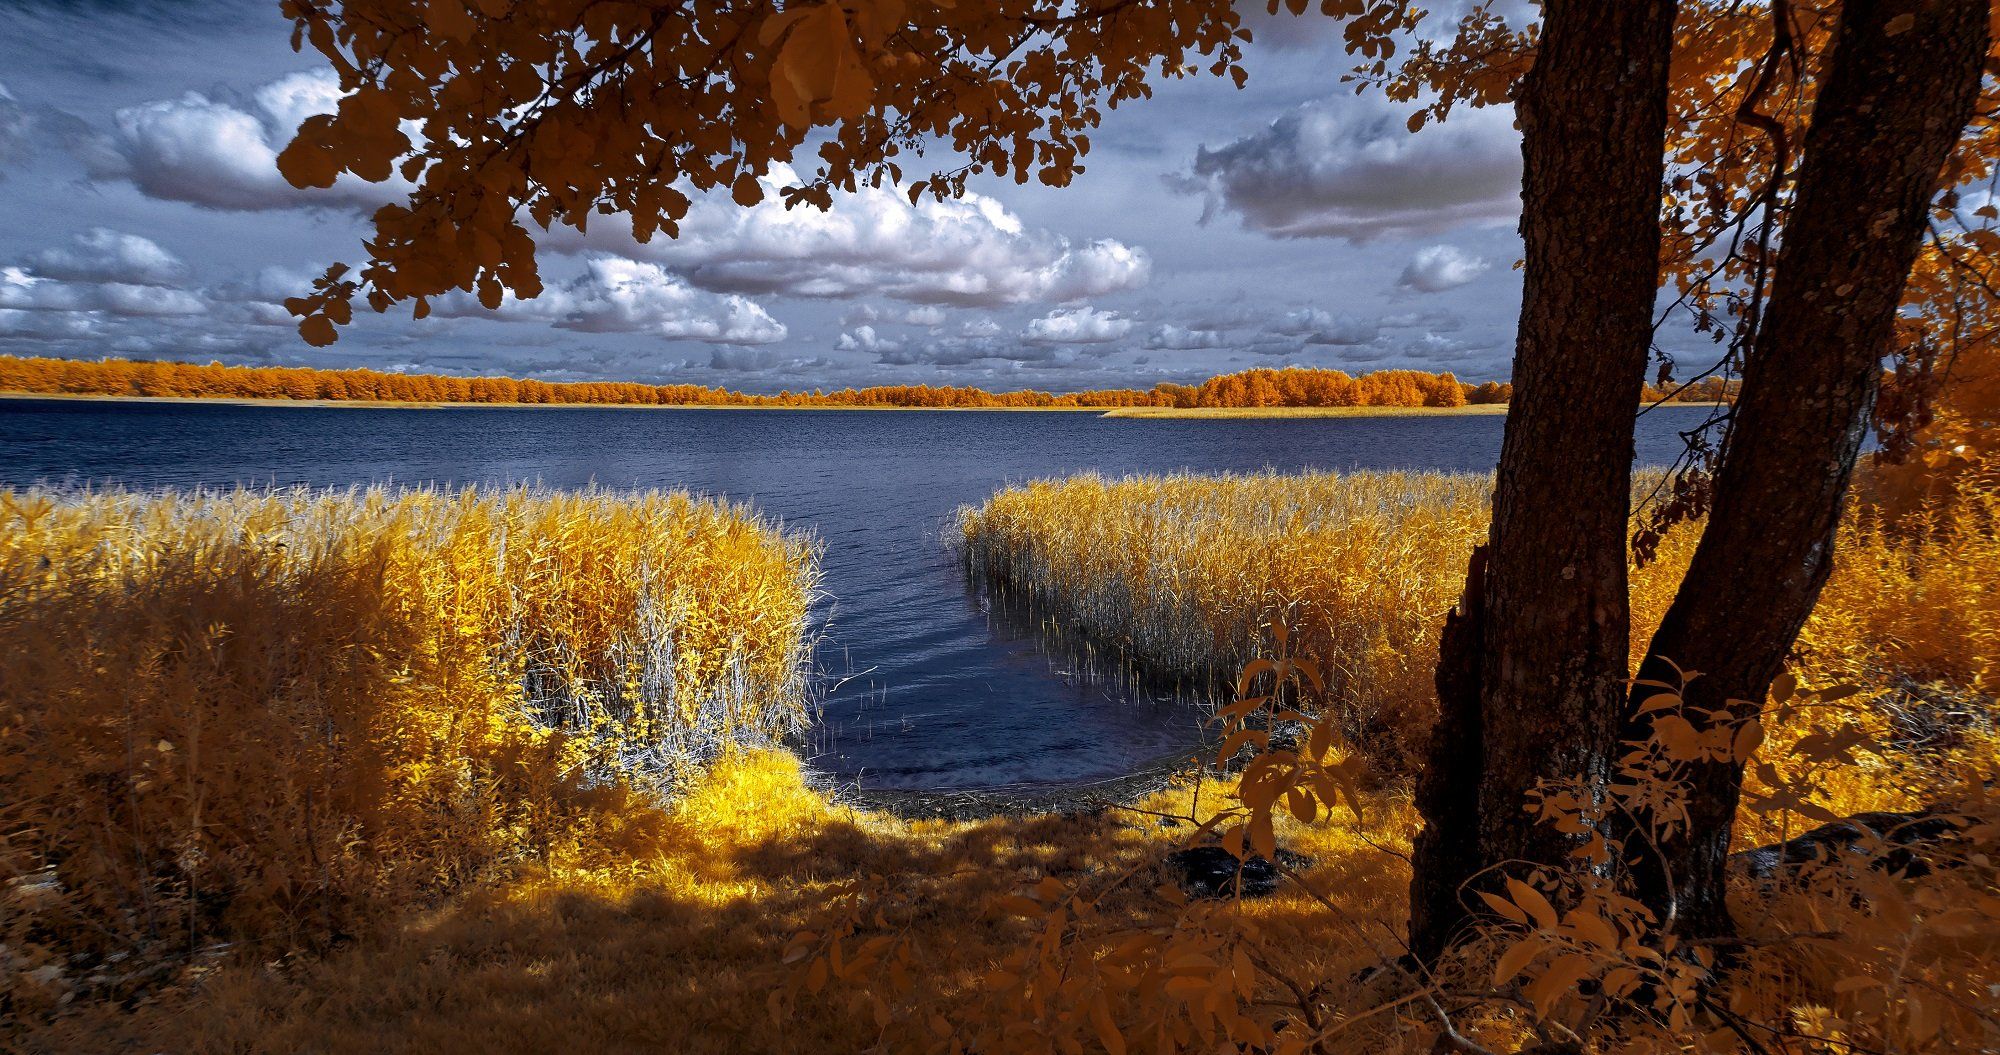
[(263, 721), (676, 946)]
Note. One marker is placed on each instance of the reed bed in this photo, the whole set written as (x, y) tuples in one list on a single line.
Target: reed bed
[(262, 716), (1180, 578), (1184, 574)]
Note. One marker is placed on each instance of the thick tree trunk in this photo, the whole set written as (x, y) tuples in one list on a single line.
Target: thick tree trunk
[(1532, 668), (1902, 84)]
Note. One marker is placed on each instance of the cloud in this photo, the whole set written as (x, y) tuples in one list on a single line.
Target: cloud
[(23, 291), (924, 315), (762, 361), (1082, 325), (616, 295), (26, 130), (223, 154), (1439, 268), (101, 271), (1348, 167), (20, 324), (260, 299), (865, 339), (103, 255), (1437, 320), (964, 350), (1436, 348), (1313, 326), (874, 243), (1168, 337)]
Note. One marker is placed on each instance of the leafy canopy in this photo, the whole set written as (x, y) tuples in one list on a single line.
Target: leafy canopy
[(506, 113)]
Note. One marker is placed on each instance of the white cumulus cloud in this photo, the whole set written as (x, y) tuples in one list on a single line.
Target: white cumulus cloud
[(1439, 268), (616, 295), (103, 255), (1168, 337), (1083, 325), (874, 243), (223, 154), (863, 338)]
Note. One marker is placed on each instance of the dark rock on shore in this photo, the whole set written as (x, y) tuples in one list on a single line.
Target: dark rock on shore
[(1213, 872), (1285, 736), (1887, 841)]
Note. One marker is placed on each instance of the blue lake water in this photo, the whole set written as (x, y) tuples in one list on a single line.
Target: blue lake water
[(922, 688)]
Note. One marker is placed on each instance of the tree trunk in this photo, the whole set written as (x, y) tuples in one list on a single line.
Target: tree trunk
[(1903, 80), (1532, 669)]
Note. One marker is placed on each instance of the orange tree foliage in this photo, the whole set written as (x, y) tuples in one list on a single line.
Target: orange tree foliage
[(545, 112), (1251, 388)]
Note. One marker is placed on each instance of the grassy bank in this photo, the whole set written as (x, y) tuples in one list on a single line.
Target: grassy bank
[(1305, 412), (272, 721)]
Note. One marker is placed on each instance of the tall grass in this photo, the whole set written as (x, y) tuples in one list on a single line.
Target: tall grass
[(261, 716), (1182, 576)]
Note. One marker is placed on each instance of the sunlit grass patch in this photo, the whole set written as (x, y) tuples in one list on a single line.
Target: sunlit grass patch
[(674, 942)]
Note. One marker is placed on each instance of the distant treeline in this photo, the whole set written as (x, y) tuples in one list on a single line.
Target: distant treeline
[(1291, 387)]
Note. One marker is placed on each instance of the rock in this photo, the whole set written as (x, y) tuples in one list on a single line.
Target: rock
[(1212, 872), (1896, 840)]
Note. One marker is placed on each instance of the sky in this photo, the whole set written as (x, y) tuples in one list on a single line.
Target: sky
[(1290, 223)]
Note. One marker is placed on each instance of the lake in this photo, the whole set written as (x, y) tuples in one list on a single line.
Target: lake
[(921, 688)]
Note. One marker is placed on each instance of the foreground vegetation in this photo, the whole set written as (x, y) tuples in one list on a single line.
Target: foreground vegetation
[(272, 721), (368, 772)]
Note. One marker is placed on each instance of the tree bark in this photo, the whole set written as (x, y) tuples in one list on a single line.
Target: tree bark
[(1532, 668), (1902, 83)]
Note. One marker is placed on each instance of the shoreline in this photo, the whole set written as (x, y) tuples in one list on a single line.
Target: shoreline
[(1125, 413), (1307, 413), (389, 404), (1031, 799), (1224, 413)]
